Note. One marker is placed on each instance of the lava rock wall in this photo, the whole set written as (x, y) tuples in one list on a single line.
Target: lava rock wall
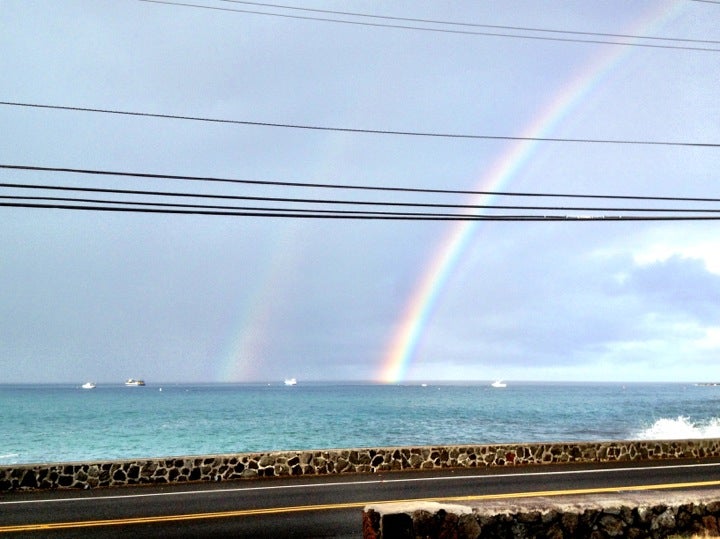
[(338, 461)]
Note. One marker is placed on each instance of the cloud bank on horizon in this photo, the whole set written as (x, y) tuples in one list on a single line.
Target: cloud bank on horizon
[(106, 296)]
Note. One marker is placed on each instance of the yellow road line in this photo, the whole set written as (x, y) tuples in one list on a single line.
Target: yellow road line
[(336, 506)]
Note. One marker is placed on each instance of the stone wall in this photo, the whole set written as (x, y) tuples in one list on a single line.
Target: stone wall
[(648, 515), (338, 461)]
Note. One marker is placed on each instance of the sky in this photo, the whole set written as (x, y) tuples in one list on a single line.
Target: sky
[(104, 296)]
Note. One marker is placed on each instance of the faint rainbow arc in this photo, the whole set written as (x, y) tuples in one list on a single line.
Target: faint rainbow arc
[(416, 314), (251, 339), (245, 350)]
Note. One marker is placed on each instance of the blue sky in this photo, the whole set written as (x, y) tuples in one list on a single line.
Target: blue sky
[(106, 296)]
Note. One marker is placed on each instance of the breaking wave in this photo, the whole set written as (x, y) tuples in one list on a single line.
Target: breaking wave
[(8, 458), (680, 428)]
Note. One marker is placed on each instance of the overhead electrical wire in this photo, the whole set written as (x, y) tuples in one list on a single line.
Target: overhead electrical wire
[(359, 216), (213, 179), (325, 208), (470, 24), (361, 130), (149, 205), (222, 207), (437, 30), (339, 202)]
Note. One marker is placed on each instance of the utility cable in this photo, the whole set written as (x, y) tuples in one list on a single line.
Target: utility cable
[(337, 202), (470, 24), (436, 30), (268, 183), (221, 207), (396, 217), (361, 131)]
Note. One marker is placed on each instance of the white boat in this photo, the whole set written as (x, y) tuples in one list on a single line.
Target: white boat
[(88, 385), (134, 383), (498, 383), (290, 382)]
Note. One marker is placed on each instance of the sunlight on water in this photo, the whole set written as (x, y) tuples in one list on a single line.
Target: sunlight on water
[(681, 428)]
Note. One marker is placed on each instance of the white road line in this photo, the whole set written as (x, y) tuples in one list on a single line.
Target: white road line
[(306, 486)]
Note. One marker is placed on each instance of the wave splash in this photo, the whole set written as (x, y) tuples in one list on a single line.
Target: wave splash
[(8, 458), (680, 428)]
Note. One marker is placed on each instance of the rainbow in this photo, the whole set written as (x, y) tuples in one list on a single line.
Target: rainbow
[(243, 355), (418, 310), (245, 352)]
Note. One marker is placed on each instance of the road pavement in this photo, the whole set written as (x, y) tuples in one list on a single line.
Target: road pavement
[(326, 506)]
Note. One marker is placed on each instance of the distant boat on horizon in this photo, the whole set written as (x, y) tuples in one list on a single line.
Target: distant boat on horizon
[(132, 382), (498, 383), (89, 385), (290, 382)]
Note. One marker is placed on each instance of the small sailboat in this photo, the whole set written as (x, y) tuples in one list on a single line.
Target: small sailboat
[(498, 383)]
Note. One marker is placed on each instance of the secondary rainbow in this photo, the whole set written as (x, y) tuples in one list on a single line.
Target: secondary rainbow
[(418, 309)]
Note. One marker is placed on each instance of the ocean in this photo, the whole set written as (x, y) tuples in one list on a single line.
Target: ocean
[(65, 423)]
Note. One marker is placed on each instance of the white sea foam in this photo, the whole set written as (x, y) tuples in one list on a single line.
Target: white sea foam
[(680, 428)]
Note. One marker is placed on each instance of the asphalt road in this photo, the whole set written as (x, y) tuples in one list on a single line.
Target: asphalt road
[(329, 506)]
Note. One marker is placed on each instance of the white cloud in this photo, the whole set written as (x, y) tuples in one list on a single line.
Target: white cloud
[(710, 340), (706, 250)]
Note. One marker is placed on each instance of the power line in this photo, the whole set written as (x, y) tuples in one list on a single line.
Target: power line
[(471, 25), (360, 216), (436, 30), (265, 210), (155, 201), (222, 207), (332, 202), (210, 179), (288, 214), (360, 130)]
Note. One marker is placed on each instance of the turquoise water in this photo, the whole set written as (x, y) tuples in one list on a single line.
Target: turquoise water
[(65, 423)]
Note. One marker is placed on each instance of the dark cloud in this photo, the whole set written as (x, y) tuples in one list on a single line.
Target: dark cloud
[(678, 286), (577, 313), (193, 298)]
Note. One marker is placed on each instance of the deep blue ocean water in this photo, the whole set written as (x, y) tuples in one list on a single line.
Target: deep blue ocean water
[(62, 423)]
